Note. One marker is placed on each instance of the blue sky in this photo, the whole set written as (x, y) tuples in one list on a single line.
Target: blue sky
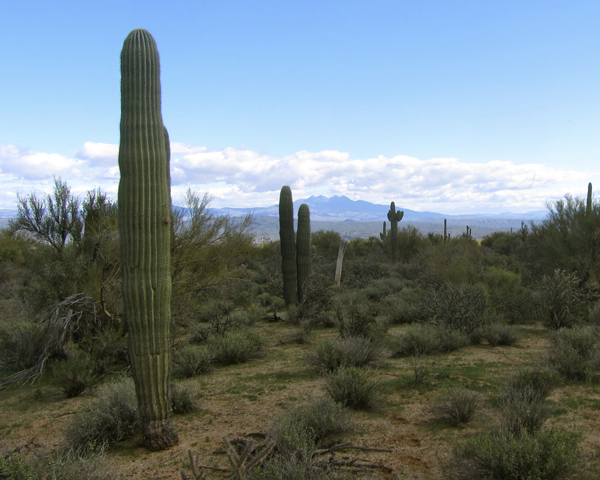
[(448, 106)]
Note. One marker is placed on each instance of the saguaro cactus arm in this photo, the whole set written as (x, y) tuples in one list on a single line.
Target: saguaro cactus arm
[(145, 233)]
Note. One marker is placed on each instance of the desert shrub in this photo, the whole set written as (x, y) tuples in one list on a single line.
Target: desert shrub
[(317, 299), (405, 306), (507, 296), (237, 346), (302, 335), (332, 354), (353, 387), (279, 468), (192, 360), (57, 467), (457, 308), (103, 423), (303, 429), (522, 400), (359, 273), (574, 353), (458, 405), (547, 454), (75, 374), (359, 320), (380, 288), (500, 334), (561, 299), (182, 399), (427, 339)]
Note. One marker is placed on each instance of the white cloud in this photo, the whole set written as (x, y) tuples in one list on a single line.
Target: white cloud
[(242, 177)]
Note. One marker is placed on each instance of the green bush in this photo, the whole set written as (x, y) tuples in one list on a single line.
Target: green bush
[(236, 346), (303, 429), (499, 334), (458, 405), (457, 308), (332, 354), (562, 300), (522, 400), (192, 360), (74, 375), (359, 320), (103, 423), (56, 467), (548, 454), (405, 307), (425, 339), (353, 387), (182, 399), (574, 353)]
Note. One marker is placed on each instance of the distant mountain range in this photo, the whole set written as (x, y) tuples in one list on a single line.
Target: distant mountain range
[(357, 218), (341, 208)]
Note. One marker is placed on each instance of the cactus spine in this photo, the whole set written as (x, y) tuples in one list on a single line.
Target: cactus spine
[(588, 205), (303, 249), (144, 207), (394, 217), (288, 246)]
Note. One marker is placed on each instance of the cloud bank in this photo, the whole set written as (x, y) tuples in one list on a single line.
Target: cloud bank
[(245, 178)]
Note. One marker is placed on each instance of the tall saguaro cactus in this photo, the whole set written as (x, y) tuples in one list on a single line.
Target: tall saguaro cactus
[(303, 250), (145, 232), (588, 204), (383, 234), (288, 246), (394, 217)]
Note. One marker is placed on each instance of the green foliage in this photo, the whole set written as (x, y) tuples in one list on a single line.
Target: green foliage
[(236, 346), (359, 320), (458, 405), (326, 243), (561, 300), (457, 308), (75, 374), (353, 387), (332, 354), (424, 339), (106, 421), (182, 399), (303, 429), (192, 360), (507, 296), (549, 454), (499, 334), (575, 352), (54, 219)]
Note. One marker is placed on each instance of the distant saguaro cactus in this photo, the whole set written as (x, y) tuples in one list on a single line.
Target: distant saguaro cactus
[(288, 246), (144, 209), (383, 234), (588, 205), (303, 248), (394, 217), (445, 231)]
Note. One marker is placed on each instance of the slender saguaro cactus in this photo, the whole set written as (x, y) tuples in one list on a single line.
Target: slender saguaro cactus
[(588, 205), (145, 232), (303, 250), (384, 233), (394, 217), (288, 246), (445, 231)]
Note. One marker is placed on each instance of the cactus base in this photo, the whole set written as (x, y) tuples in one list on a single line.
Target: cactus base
[(159, 435)]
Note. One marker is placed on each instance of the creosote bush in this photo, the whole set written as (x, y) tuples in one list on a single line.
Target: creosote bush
[(332, 354), (236, 346), (103, 423), (499, 334), (183, 399), (192, 360), (303, 429), (458, 405), (425, 339), (353, 387), (575, 353), (548, 454)]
